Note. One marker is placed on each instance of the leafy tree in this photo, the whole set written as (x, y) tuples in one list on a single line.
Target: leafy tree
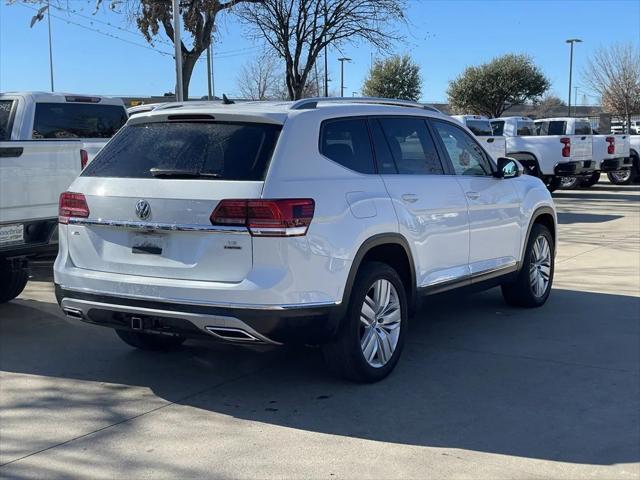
[(548, 106), (299, 30), (395, 77), (493, 88), (614, 74)]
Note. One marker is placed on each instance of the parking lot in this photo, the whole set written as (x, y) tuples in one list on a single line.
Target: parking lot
[(482, 390)]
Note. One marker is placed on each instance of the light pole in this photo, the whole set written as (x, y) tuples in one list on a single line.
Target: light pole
[(571, 41), (178, 50), (50, 47), (342, 60)]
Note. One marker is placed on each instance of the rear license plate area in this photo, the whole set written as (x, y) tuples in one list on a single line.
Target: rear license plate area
[(147, 244)]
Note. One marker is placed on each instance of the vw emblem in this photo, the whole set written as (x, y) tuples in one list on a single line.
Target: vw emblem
[(143, 209)]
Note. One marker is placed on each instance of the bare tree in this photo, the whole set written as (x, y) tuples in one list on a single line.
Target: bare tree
[(548, 106), (298, 30), (614, 74), (259, 78)]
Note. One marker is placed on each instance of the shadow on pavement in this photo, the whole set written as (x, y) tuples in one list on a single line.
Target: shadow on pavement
[(568, 218), (558, 383)]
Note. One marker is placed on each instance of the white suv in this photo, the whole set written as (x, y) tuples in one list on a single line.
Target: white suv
[(321, 221)]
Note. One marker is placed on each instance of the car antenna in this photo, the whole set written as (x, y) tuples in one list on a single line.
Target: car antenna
[(226, 101)]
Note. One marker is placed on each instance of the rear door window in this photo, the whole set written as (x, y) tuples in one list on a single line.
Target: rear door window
[(582, 128), (6, 121), (77, 120), (554, 127), (411, 146), (526, 128), (480, 128), (346, 141), (498, 128), (207, 150)]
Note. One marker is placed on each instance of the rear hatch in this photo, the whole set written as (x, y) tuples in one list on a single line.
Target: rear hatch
[(151, 192)]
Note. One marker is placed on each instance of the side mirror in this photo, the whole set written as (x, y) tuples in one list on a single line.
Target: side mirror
[(509, 168)]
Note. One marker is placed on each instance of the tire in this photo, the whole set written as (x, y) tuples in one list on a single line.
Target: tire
[(13, 278), (150, 341), (591, 181), (345, 356), (552, 183), (569, 183), (623, 177), (523, 291)]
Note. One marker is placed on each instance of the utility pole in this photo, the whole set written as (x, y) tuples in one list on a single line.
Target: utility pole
[(178, 50), (575, 100), (209, 73), (342, 60), (50, 47), (571, 41), (326, 63)]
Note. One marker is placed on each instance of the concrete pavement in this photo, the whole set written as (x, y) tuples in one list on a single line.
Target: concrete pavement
[(482, 391)]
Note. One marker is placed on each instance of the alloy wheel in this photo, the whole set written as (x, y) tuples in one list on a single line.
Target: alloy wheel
[(621, 176), (540, 266)]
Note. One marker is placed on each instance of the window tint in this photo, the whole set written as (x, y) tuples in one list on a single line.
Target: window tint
[(526, 128), (498, 128), (554, 127), (582, 128), (480, 128), (411, 146), (384, 158), (221, 150), (77, 120), (466, 155), (346, 141), (5, 117)]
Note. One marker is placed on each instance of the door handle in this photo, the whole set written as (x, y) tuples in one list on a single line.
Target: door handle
[(409, 198), (583, 138), (473, 195), (490, 140)]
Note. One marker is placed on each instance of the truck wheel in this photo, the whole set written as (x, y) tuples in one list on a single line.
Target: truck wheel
[(150, 341), (13, 278), (622, 177), (569, 183), (372, 333), (552, 183), (532, 286), (591, 181)]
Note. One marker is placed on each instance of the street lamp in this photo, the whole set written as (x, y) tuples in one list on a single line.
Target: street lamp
[(342, 60), (571, 41)]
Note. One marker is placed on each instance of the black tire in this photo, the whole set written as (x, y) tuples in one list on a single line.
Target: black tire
[(344, 356), (627, 181), (569, 183), (552, 183), (150, 341), (590, 181), (520, 293), (13, 278)]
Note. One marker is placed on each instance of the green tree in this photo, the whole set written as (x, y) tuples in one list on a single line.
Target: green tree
[(493, 88), (394, 77)]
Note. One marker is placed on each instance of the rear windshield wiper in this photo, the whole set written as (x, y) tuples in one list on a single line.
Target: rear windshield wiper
[(176, 173)]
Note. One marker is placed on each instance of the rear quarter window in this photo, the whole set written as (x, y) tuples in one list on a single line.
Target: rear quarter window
[(216, 150), (77, 120)]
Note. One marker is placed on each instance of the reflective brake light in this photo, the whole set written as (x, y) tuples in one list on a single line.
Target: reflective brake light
[(84, 159), (72, 205), (611, 148), (287, 217), (566, 149)]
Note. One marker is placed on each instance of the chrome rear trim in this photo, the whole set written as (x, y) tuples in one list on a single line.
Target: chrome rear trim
[(154, 227)]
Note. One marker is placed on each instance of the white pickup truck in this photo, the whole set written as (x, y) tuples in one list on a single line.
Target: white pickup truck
[(45, 141), (631, 174), (546, 154), (481, 127), (610, 152)]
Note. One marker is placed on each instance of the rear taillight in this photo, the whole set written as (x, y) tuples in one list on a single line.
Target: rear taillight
[(72, 205), (84, 159), (611, 148), (566, 149), (287, 217)]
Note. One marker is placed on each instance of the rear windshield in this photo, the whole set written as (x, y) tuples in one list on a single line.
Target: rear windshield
[(219, 150), (526, 128), (555, 127), (77, 120), (480, 128), (498, 127), (5, 118)]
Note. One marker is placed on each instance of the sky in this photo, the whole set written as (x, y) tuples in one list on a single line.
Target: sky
[(103, 53)]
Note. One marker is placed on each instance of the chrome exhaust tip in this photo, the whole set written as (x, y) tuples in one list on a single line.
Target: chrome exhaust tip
[(232, 334), (74, 313)]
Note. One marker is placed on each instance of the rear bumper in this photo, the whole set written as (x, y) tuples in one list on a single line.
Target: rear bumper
[(615, 164), (274, 324), (40, 239), (575, 169)]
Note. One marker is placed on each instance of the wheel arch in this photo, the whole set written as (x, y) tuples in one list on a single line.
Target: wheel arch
[(543, 215), (392, 249)]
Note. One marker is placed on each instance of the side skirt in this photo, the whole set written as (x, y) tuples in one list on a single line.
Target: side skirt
[(474, 283)]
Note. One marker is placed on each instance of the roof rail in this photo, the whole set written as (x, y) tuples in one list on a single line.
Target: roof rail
[(311, 103)]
